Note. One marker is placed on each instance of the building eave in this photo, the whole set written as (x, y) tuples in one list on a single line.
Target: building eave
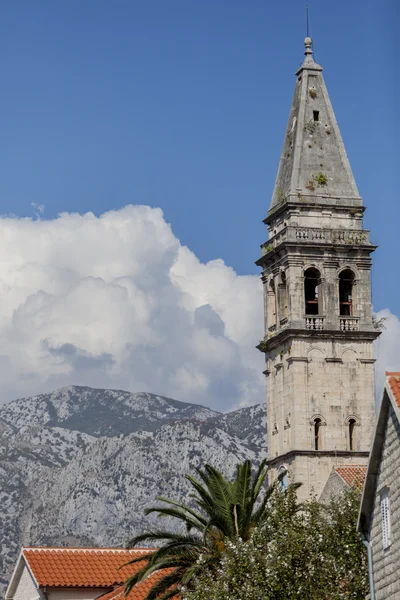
[(368, 496)]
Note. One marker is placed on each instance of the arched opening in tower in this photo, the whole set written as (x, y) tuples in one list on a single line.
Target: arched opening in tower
[(346, 282), (311, 279), (352, 423), (317, 439)]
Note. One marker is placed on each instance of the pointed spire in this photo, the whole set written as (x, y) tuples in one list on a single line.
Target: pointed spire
[(309, 62), (314, 166)]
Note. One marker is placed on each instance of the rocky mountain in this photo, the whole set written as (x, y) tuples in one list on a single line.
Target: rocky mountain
[(79, 466)]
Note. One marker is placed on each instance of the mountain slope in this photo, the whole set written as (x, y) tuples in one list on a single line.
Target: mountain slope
[(100, 412), (66, 480)]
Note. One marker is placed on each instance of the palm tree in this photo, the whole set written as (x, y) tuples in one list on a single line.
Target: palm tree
[(224, 510)]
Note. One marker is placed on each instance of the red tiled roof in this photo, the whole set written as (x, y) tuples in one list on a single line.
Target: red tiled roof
[(139, 592), (117, 594), (394, 383), (81, 567), (353, 474)]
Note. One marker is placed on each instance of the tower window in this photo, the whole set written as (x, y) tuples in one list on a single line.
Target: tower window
[(317, 434), (352, 423), (282, 296), (385, 516), (311, 278), (316, 115), (283, 478), (271, 308), (346, 282)]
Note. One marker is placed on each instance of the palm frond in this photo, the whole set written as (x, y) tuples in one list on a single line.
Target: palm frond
[(154, 536), (184, 507), (188, 520), (138, 559), (170, 594), (259, 479), (243, 508), (204, 499), (260, 514), (133, 580), (222, 492), (164, 584), (185, 553)]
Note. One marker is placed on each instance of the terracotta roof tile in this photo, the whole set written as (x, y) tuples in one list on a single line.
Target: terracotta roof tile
[(81, 567), (139, 592), (353, 474), (394, 383)]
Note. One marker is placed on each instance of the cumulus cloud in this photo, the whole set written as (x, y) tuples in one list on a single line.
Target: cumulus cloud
[(387, 348), (117, 301), (38, 209)]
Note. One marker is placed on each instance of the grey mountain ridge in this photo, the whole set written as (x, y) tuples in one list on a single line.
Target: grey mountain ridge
[(79, 466)]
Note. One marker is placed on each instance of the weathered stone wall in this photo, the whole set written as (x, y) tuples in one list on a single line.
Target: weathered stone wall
[(386, 562), (326, 379)]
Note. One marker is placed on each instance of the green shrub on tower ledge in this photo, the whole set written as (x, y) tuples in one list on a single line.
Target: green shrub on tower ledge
[(262, 346)]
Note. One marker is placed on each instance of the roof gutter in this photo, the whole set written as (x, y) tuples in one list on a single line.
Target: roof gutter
[(368, 546)]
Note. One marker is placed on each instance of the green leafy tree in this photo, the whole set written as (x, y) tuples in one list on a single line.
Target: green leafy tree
[(314, 554), (224, 510)]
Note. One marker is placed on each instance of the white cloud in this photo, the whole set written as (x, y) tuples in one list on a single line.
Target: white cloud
[(387, 348), (38, 209), (116, 301)]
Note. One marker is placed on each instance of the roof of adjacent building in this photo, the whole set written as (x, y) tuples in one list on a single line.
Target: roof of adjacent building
[(85, 568), (352, 475), (394, 384), (81, 567), (390, 398), (139, 592), (118, 594)]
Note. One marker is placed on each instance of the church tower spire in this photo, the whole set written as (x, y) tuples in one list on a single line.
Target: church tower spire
[(318, 339)]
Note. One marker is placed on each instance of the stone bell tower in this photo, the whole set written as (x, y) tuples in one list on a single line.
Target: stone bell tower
[(319, 332)]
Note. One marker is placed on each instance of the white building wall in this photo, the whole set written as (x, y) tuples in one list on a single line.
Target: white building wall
[(26, 589)]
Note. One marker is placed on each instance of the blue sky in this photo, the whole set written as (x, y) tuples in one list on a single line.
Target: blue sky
[(183, 105)]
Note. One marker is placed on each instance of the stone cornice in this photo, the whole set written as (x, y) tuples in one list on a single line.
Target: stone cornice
[(324, 334), (342, 241), (318, 454), (323, 203)]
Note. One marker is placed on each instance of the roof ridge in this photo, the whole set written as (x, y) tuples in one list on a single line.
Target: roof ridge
[(351, 466), (80, 549)]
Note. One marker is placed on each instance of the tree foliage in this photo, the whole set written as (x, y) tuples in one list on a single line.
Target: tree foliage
[(314, 553), (224, 510)]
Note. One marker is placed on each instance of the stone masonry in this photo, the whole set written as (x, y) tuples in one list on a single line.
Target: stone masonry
[(386, 562), (318, 337)]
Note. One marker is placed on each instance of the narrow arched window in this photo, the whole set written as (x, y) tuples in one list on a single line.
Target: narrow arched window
[(283, 478), (271, 304), (311, 279), (317, 434), (346, 282), (352, 423), (282, 290)]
